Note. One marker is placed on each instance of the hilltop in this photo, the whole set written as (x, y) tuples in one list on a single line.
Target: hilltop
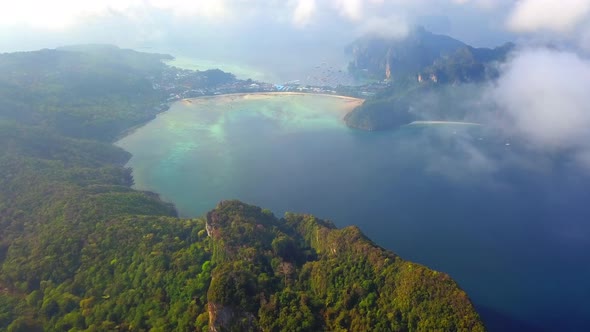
[(300, 273)]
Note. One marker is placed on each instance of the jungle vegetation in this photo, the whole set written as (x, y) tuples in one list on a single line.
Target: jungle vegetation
[(80, 250)]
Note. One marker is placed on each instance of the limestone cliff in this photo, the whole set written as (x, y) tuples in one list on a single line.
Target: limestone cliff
[(422, 52)]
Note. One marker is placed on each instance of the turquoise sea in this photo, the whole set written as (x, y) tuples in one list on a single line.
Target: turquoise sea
[(510, 224)]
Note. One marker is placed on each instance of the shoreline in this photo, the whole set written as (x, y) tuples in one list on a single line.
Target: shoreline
[(350, 103), (271, 94), (132, 129)]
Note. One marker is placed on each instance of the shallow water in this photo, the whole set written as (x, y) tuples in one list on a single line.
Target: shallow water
[(510, 225)]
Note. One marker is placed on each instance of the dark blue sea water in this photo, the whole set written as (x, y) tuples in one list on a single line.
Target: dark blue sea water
[(510, 223)]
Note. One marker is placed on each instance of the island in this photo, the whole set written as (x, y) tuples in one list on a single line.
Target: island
[(80, 250)]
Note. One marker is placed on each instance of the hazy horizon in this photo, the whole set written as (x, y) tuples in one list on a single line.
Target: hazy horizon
[(284, 37)]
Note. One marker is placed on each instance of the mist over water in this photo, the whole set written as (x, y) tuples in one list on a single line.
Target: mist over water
[(327, 69), (456, 198)]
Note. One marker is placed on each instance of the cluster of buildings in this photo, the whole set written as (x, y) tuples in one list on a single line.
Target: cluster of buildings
[(177, 84)]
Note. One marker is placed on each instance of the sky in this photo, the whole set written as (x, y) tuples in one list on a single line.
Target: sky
[(32, 24), (257, 30), (291, 29), (541, 92)]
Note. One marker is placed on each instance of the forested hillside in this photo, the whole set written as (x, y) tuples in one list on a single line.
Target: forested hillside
[(302, 274), (82, 251)]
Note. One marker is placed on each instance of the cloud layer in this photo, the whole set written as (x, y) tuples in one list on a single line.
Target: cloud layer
[(523, 16), (541, 100), (559, 16), (479, 22), (545, 95)]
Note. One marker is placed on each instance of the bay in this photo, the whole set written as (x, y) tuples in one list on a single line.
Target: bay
[(508, 223)]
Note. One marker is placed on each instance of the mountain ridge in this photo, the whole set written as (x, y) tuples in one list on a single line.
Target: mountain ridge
[(419, 52)]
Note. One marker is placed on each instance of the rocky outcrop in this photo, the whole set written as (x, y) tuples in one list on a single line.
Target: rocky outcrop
[(302, 273), (224, 318), (379, 58), (423, 52)]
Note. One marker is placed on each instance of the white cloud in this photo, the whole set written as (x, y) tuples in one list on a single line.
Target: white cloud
[(55, 14), (61, 14), (65, 13), (553, 15), (203, 8), (396, 27), (544, 94), (484, 4), (352, 9), (584, 38), (304, 11)]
